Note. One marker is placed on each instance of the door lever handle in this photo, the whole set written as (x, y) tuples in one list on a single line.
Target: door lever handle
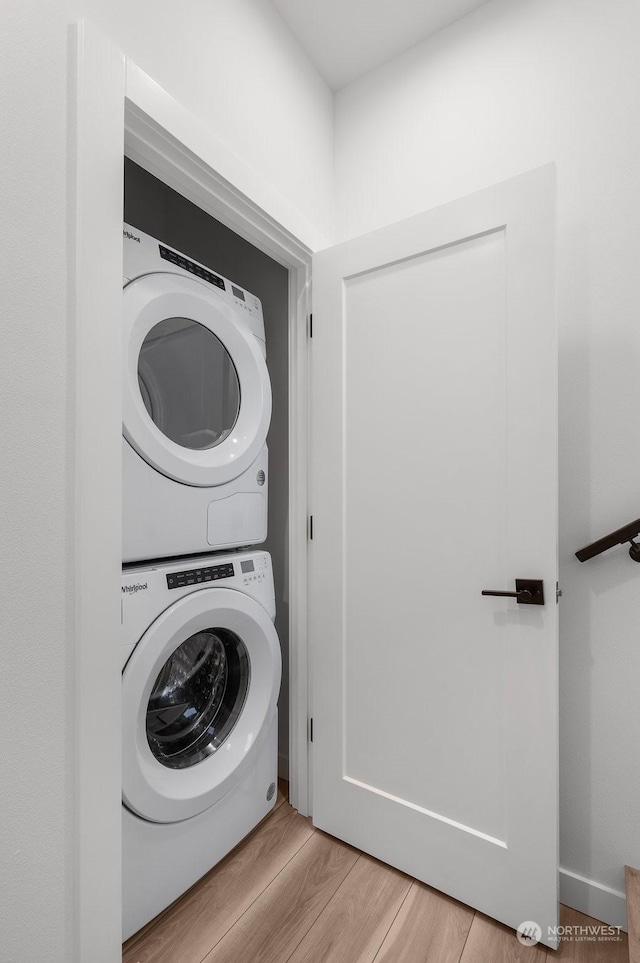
[(524, 594), (529, 591)]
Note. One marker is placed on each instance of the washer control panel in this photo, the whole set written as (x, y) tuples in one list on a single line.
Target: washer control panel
[(253, 570), (149, 589), (193, 576)]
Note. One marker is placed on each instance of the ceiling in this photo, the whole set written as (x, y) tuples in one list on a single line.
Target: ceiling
[(347, 38)]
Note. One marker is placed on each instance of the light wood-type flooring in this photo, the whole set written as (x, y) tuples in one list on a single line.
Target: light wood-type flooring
[(632, 880), (291, 894)]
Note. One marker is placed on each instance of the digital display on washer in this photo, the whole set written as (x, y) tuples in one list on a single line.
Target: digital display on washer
[(238, 293), (188, 265), (247, 566), (194, 576)]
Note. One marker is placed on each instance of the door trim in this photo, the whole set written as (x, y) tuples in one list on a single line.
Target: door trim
[(117, 109)]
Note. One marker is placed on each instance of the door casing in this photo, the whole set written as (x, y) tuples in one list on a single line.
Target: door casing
[(118, 109)]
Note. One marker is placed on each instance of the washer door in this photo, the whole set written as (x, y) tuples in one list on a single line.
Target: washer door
[(196, 390), (198, 694)]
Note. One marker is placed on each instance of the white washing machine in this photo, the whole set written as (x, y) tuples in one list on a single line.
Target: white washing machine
[(200, 682), (196, 407)]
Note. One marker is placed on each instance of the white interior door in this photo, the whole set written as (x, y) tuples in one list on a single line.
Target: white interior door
[(434, 473)]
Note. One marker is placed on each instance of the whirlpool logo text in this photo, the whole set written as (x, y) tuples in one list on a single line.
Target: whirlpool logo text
[(136, 587)]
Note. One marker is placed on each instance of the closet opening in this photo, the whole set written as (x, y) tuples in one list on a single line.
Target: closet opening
[(156, 209)]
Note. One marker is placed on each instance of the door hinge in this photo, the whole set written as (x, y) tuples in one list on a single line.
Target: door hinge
[(311, 325), (558, 593), (310, 730), (310, 528)]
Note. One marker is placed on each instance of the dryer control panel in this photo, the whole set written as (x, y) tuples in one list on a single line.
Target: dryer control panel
[(144, 254), (191, 266)]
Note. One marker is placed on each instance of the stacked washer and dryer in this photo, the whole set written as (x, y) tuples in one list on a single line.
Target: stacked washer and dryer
[(200, 654)]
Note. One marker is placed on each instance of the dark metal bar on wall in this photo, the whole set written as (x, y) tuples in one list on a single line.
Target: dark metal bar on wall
[(625, 534)]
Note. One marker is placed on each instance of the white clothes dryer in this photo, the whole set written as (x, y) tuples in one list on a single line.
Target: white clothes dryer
[(196, 407), (200, 682)]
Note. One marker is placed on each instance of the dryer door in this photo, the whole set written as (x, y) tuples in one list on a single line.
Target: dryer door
[(198, 695), (196, 391)]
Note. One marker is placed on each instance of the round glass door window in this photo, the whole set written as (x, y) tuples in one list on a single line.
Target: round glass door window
[(188, 383), (197, 698)]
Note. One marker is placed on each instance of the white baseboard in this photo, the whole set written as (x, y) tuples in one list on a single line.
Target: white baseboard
[(283, 766), (593, 899)]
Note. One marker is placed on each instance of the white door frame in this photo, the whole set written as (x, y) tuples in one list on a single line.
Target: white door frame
[(119, 109)]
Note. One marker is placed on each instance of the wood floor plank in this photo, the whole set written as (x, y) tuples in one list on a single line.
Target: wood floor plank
[(632, 885), (283, 793), (195, 923), (584, 950), (355, 921), (430, 928), (491, 942), (273, 926)]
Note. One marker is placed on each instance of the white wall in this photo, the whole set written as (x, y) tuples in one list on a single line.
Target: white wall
[(236, 66), (515, 85)]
